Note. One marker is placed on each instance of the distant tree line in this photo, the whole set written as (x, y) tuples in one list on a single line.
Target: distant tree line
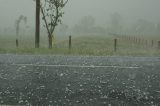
[(116, 25)]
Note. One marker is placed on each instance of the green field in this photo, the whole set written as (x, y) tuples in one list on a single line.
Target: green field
[(81, 45)]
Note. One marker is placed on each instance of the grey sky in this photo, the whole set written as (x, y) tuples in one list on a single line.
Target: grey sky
[(131, 10)]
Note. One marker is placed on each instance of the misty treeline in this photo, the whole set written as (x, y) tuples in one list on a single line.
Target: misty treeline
[(88, 25), (115, 25)]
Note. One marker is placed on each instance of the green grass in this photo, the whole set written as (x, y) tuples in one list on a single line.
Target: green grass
[(85, 45)]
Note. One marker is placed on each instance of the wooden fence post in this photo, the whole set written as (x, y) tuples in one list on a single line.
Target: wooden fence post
[(17, 43), (70, 42), (115, 45)]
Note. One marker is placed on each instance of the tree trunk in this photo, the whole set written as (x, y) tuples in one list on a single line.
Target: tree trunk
[(50, 42), (37, 33)]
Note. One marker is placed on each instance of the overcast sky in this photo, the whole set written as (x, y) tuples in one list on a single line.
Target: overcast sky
[(130, 10)]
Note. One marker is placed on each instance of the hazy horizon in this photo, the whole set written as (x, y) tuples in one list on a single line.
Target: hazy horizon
[(130, 10)]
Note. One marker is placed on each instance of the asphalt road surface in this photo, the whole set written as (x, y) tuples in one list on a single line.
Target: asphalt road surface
[(41, 80)]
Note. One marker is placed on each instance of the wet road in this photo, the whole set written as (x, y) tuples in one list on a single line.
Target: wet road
[(79, 80)]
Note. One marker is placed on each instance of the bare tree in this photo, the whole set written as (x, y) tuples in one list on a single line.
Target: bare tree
[(52, 12), (20, 19)]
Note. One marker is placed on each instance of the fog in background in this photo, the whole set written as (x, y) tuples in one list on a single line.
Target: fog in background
[(114, 16)]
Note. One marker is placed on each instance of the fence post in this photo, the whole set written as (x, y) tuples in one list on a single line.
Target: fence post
[(17, 43), (70, 42), (115, 45), (158, 44)]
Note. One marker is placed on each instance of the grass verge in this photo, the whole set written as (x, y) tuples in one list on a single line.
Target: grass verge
[(88, 45)]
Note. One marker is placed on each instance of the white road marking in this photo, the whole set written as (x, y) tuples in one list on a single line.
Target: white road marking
[(77, 66)]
